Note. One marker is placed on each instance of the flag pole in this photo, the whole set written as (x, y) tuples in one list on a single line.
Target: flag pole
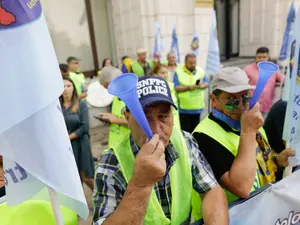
[(55, 206)]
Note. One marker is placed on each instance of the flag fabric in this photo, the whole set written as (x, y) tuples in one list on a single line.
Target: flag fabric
[(288, 30), (34, 141), (213, 64), (292, 122), (174, 45), (278, 205), (195, 47), (158, 43)]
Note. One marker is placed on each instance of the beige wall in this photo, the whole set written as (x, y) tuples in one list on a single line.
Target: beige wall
[(134, 22), (263, 23), (67, 22), (104, 41)]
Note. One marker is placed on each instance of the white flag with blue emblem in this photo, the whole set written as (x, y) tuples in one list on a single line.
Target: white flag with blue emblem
[(291, 132), (158, 44), (174, 45), (213, 64), (34, 141)]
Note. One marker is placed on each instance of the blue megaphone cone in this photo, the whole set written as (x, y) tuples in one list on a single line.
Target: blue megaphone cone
[(266, 70), (124, 87)]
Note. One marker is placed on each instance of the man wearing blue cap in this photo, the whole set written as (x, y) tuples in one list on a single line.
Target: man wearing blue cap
[(140, 181)]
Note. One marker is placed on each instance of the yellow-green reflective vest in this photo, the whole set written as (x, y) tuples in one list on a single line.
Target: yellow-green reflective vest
[(117, 132), (180, 178), (175, 112), (194, 99), (34, 212), (138, 69), (230, 141), (79, 81)]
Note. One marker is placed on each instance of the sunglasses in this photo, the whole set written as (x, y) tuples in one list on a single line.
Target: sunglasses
[(234, 102)]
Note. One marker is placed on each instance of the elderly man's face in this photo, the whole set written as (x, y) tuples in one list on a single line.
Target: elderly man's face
[(160, 119), (142, 57), (172, 59), (223, 104)]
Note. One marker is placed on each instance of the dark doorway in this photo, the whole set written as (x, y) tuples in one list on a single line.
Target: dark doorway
[(228, 27)]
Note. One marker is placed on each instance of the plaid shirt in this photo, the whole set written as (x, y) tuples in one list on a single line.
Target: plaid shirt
[(111, 184)]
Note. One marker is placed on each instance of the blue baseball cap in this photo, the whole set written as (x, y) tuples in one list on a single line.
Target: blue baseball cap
[(153, 89)]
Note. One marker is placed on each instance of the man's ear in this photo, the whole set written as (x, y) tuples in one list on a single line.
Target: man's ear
[(213, 100)]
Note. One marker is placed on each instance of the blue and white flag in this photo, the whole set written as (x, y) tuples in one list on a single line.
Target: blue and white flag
[(278, 205), (195, 45), (34, 141), (174, 45), (292, 122), (213, 64), (158, 44), (287, 33)]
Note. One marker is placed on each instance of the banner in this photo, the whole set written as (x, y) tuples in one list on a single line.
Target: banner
[(289, 23), (34, 141), (213, 64), (292, 127), (158, 44), (195, 45), (278, 205), (174, 45)]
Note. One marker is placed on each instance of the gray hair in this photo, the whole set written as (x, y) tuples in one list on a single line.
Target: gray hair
[(108, 74)]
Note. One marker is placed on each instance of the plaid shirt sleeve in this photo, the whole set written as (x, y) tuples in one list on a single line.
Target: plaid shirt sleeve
[(203, 177), (110, 186)]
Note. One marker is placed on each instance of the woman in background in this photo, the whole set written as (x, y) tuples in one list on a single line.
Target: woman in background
[(105, 63), (76, 117)]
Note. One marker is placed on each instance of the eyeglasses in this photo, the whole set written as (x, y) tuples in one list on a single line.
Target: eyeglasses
[(234, 102)]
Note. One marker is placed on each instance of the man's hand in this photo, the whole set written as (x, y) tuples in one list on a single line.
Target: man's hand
[(251, 120), (282, 158), (150, 164), (109, 118)]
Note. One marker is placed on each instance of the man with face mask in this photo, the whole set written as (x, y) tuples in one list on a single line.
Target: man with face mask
[(233, 140), (266, 99), (140, 181)]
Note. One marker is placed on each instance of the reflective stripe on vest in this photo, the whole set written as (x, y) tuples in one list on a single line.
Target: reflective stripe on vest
[(117, 132), (194, 99), (138, 69), (230, 141), (180, 178)]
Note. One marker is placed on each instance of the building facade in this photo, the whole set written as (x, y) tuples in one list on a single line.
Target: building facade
[(96, 29)]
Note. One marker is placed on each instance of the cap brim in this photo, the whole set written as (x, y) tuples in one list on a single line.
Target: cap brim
[(148, 102), (237, 88)]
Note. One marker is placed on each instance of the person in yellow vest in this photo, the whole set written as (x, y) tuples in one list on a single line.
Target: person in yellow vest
[(190, 83), (141, 66), (232, 138), (77, 77), (2, 183), (161, 70), (118, 126), (172, 65), (140, 181)]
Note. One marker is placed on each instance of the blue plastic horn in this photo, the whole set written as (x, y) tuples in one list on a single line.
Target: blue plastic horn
[(124, 87), (266, 70)]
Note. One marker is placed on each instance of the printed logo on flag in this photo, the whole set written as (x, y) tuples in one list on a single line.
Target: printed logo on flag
[(292, 62), (292, 57), (292, 219), (195, 44), (15, 13)]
